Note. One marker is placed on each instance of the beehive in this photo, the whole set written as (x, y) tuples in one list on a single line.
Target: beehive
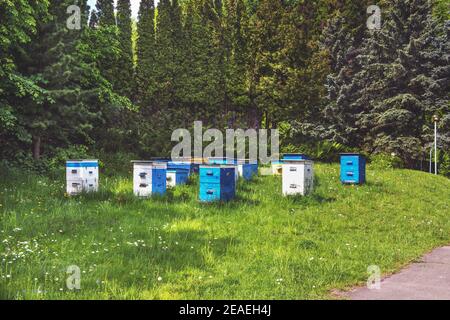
[(81, 176), (255, 168), (177, 177), (298, 177), (226, 161), (217, 183), (247, 169), (353, 168), (149, 178)]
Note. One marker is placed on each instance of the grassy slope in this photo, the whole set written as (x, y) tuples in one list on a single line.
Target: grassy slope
[(261, 246)]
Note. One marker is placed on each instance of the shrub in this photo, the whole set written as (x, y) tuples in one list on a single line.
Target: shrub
[(386, 161), (323, 151)]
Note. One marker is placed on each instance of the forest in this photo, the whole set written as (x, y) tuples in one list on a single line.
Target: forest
[(118, 86)]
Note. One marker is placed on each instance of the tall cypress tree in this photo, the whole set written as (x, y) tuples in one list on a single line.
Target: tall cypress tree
[(199, 86), (267, 77), (125, 69), (105, 9), (93, 20), (146, 59), (164, 55), (237, 37)]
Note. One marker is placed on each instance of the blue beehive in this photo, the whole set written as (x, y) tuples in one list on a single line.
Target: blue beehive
[(247, 169), (255, 168), (217, 183), (183, 166), (228, 162), (149, 178), (353, 168), (159, 181), (177, 177)]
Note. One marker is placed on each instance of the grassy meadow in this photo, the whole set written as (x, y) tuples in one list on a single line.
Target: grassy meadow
[(260, 246)]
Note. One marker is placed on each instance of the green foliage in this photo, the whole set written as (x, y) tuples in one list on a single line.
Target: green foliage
[(444, 164), (441, 10), (310, 68), (105, 13), (326, 151), (385, 87), (116, 164), (383, 161), (145, 51), (124, 83), (61, 155)]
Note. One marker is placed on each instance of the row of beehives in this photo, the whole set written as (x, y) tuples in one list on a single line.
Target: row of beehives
[(218, 178), (298, 167)]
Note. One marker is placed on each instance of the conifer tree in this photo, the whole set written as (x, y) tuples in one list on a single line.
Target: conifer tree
[(266, 73), (55, 59), (125, 69), (93, 20), (237, 37), (402, 91), (339, 121), (146, 55), (105, 9)]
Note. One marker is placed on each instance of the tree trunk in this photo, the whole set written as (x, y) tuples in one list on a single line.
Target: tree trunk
[(36, 147)]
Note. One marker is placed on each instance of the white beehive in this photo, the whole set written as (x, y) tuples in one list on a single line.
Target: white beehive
[(149, 178), (298, 177), (81, 176)]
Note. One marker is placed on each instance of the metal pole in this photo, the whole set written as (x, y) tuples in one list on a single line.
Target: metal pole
[(431, 160), (435, 149)]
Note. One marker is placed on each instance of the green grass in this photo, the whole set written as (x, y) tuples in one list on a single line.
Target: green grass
[(261, 246)]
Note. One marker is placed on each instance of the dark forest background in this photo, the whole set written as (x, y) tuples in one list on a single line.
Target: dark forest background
[(117, 88)]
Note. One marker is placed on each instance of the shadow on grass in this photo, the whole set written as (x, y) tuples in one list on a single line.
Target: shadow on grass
[(314, 199), (237, 203), (182, 250)]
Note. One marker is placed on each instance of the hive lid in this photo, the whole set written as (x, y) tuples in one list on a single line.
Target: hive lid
[(148, 162), (296, 161), (351, 154), (223, 166)]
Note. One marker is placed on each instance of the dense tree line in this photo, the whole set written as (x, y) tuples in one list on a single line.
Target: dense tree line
[(310, 68)]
